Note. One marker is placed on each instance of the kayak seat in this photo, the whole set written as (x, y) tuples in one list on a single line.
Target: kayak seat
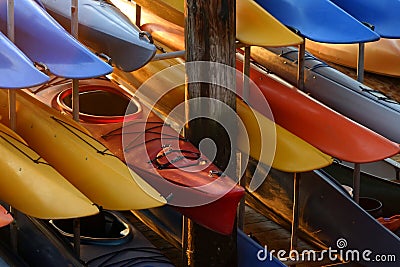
[(100, 104), (105, 228)]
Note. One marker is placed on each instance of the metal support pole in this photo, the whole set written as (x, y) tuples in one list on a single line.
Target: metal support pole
[(75, 113), (77, 236), (75, 99), (138, 15), (295, 222), (169, 55), (12, 117), (242, 203), (356, 182), (300, 66), (360, 63), (246, 73)]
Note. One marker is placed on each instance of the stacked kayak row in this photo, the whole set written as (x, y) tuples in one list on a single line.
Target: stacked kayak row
[(53, 189), (328, 237), (172, 161)]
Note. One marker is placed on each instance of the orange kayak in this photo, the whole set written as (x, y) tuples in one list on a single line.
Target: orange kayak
[(381, 57)]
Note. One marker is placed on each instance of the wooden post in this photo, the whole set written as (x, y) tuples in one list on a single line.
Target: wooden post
[(210, 36)]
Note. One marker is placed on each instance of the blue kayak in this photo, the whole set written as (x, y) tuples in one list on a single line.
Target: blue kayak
[(43, 40), (105, 29), (382, 14), (16, 70), (168, 223), (320, 21)]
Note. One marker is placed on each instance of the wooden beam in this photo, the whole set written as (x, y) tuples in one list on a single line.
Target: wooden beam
[(210, 36)]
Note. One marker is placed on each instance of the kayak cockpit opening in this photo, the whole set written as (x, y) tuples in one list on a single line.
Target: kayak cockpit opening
[(105, 228), (101, 104)]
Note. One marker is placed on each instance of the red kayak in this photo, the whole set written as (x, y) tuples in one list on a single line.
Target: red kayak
[(155, 151)]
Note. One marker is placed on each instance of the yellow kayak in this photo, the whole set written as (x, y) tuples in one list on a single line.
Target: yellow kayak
[(381, 57), (29, 184), (254, 25), (291, 154), (83, 161)]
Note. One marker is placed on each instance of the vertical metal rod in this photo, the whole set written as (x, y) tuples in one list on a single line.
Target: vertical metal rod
[(12, 117), (360, 63), (242, 203), (75, 113), (11, 37), (300, 67), (77, 236), (246, 73), (138, 15), (75, 99), (75, 83), (246, 94), (356, 182), (295, 222)]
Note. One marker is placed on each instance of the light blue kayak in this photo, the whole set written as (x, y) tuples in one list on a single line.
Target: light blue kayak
[(14, 63), (382, 14), (320, 21), (105, 29), (43, 40)]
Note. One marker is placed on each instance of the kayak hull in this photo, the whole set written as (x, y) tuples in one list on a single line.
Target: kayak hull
[(119, 39), (13, 62), (32, 186), (327, 213), (254, 25), (168, 224), (380, 57), (46, 42), (64, 143), (336, 90), (320, 21), (42, 244)]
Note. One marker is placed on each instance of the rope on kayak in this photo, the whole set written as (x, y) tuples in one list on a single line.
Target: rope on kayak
[(68, 126), (108, 259), (38, 160), (52, 82), (184, 154)]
